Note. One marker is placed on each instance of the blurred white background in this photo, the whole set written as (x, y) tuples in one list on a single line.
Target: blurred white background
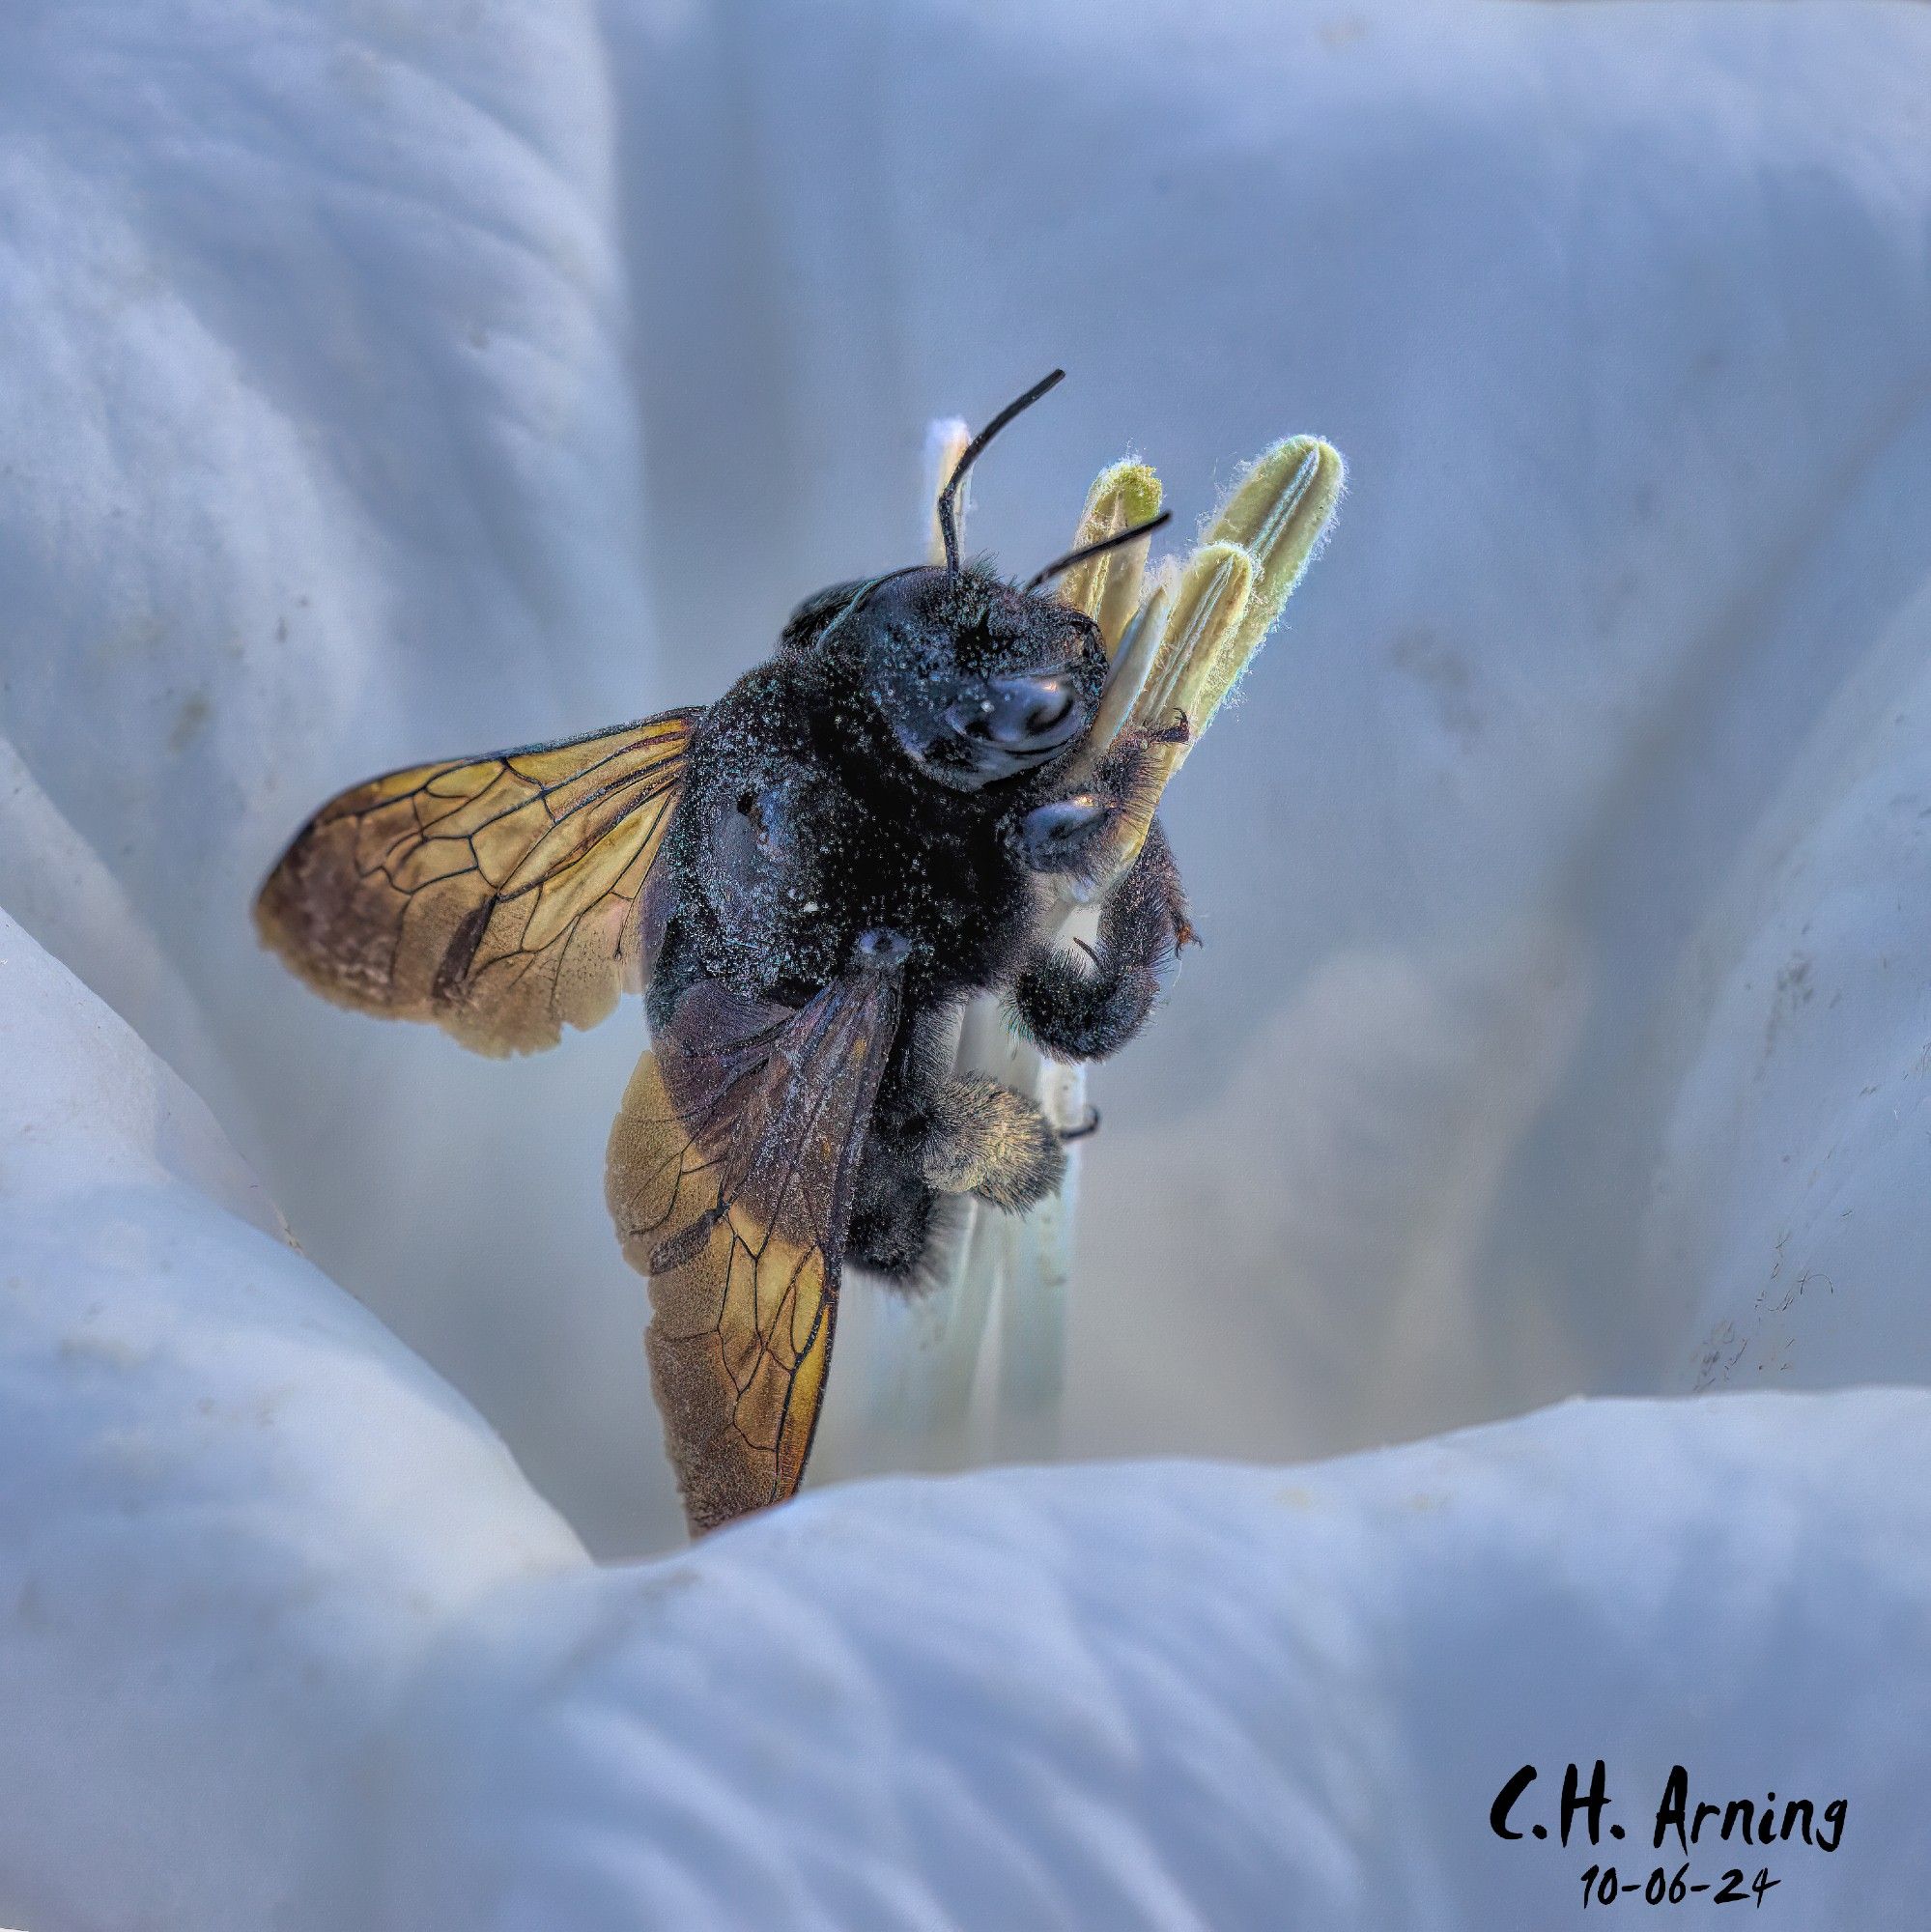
[(385, 378), (388, 381)]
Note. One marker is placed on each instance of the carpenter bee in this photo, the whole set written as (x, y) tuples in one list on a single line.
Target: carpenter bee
[(809, 878)]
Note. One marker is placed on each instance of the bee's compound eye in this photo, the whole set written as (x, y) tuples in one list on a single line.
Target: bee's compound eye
[(882, 948)]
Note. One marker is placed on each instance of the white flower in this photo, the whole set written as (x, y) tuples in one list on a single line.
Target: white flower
[(387, 380)]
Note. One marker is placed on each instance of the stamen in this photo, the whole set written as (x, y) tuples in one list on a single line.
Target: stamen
[(1125, 681), (1107, 587)]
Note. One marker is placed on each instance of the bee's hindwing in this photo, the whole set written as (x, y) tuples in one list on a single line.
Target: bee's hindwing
[(731, 1168)]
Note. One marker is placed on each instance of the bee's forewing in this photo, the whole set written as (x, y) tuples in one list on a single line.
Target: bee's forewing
[(495, 897)]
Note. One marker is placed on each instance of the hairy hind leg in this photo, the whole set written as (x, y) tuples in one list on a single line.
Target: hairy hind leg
[(988, 1139), (892, 1204), (934, 1134), (893, 1211)]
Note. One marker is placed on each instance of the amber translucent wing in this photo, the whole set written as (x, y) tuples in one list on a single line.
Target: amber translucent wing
[(496, 896), (731, 1167)]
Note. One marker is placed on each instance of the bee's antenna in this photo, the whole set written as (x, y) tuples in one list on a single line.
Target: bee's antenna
[(947, 525), (1058, 565)]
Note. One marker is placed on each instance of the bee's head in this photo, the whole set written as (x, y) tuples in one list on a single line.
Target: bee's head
[(976, 679)]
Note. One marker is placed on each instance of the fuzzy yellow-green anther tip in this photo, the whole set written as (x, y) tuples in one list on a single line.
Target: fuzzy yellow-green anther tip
[(1209, 608), (1279, 513), (1126, 493), (1107, 587)]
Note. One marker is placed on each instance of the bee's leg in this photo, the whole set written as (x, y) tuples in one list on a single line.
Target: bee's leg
[(990, 1140), (893, 1207), (1085, 1010), (934, 1135), (1068, 836), (893, 1202), (1060, 835)]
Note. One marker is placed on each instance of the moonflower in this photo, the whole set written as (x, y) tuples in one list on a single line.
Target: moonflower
[(385, 380)]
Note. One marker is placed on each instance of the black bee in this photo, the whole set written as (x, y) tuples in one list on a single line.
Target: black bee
[(809, 877)]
